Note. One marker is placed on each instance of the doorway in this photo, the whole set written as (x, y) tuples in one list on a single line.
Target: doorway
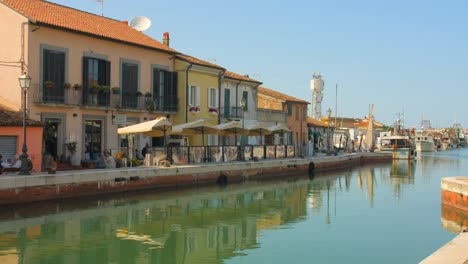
[(50, 136)]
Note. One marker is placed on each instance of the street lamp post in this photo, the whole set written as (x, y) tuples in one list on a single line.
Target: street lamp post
[(329, 111), (242, 104), (25, 82)]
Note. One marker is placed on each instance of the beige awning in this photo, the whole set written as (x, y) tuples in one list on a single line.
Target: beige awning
[(155, 128), (279, 128), (258, 129), (198, 127), (232, 128)]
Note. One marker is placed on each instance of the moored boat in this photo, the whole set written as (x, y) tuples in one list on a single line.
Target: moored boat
[(400, 146), (424, 143), (400, 143)]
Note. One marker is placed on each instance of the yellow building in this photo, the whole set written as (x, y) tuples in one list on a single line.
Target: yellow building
[(198, 91)]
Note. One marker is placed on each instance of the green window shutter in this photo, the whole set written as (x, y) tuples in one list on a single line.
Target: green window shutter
[(289, 109), (245, 95)]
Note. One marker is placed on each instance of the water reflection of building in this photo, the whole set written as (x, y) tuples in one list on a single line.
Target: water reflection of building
[(185, 229)]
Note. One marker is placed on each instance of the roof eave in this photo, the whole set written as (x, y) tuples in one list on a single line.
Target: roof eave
[(106, 38)]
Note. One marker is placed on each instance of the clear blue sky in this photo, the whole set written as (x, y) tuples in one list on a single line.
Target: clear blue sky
[(402, 56)]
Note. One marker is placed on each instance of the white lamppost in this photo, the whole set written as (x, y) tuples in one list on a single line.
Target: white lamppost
[(242, 104), (25, 82), (329, 111)]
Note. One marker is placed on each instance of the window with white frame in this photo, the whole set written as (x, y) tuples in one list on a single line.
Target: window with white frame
[(213, 98), (194, 95)]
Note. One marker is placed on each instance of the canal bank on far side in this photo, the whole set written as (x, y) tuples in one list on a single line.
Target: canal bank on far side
[(15, 189)]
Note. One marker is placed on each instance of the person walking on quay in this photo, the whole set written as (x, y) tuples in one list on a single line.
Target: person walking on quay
[(145, 150)]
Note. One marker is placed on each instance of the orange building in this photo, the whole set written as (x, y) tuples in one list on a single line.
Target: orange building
[(296, 110), (11, 137)]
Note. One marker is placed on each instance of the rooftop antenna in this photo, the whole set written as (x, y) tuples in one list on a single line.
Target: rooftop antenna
[(140, 23)]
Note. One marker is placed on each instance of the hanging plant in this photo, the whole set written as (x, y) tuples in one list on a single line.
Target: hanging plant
[(67, 86), (139, 94), (148, 95)]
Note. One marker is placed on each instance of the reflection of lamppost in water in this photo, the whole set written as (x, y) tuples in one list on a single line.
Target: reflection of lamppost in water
[(329, 111), (25, 82), (327, 220)]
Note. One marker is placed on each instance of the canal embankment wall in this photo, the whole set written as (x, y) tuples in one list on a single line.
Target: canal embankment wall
[(454, 192), (16, 189)]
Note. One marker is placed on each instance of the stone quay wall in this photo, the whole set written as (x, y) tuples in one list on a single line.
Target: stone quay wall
[(16, 189)]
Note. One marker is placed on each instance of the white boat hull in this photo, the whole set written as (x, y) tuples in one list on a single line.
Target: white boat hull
[(424, 146), (400, 153)]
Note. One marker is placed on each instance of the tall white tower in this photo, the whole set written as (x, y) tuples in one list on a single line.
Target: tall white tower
[(316, 84)]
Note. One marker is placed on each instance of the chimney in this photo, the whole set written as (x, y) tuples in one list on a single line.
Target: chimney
[(125, 22), (166, 38)]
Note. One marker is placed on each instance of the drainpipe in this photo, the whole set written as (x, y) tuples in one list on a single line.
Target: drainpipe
[(22, 47), (220, 80), (186, 91)]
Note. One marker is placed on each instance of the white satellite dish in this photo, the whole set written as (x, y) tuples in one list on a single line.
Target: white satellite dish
[(140, 23)]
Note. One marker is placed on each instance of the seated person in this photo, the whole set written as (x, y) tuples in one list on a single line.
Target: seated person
[(101, 163), (138, 156), (109, 160), (12, 164)]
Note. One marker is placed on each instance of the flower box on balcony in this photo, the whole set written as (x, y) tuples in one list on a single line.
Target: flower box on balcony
[(194, 109), (213, 110)]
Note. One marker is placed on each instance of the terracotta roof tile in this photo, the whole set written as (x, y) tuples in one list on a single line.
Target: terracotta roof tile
[(233, 75), (316, 122), (75, 20), (197, 61), (279, 95), (14, 119)]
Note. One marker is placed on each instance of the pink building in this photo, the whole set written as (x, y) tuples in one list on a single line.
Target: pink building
[(90, 75)]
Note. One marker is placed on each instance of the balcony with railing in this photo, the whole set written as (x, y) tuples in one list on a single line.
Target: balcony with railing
[(105, 99), (267, 115)]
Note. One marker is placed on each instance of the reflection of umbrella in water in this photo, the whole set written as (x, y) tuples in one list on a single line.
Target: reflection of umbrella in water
[(158, 127), (259, 129), (233, 127), (199, 126)]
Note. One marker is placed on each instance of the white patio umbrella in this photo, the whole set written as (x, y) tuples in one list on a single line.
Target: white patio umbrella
[(154, 128), (259, 128), (232, 128), (199, 126), (279, 128)]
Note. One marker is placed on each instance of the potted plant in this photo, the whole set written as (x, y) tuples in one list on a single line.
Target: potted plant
[(139, 94), (115, 90), (67, 85), (148, 95), (94, 88), (77, 86), (49, 84), (105, 89)]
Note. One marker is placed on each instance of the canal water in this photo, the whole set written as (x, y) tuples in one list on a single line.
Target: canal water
[(380, 213)]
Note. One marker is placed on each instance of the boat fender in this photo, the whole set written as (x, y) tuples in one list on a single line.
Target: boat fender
[(311, 167)]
